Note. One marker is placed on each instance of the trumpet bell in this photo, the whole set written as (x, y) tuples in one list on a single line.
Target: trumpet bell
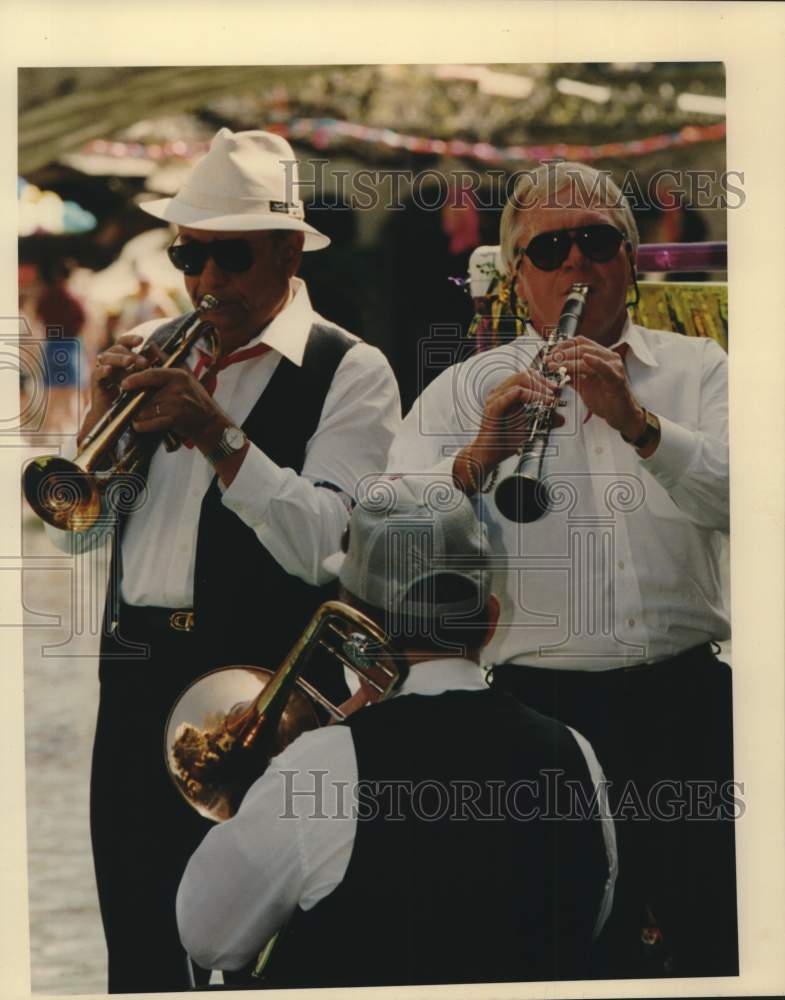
[(61, 493), (112, 456), (210, 757)]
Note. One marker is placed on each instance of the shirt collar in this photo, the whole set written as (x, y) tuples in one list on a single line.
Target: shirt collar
[(446, 674), (288, 332), (630, 335)]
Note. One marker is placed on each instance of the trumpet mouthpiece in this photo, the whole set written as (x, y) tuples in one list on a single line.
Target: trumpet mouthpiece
[(208, 302)]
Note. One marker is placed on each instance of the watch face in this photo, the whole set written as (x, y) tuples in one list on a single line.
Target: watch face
[(234, 438)]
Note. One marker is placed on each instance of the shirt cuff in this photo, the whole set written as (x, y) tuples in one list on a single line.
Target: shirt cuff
[(258, 481), (675, 453)]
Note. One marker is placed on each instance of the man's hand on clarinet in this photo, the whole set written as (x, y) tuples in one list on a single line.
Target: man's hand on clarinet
[(502, 427), (599, 377)]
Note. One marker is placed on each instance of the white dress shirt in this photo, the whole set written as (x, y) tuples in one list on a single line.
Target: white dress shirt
[(626, 568), (300, 524), (250, 873)]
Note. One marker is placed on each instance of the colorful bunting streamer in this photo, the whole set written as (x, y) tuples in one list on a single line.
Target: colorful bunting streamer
[(323, 132)]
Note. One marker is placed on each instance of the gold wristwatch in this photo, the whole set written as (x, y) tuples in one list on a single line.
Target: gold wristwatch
[(650, 434)]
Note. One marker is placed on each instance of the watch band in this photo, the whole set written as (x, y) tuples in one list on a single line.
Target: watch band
[(650, 433)]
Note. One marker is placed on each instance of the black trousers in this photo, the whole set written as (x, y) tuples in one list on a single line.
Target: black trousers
[(663, 734), (143, 832)]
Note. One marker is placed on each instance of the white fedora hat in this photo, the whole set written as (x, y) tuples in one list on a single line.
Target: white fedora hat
[(246, 181)]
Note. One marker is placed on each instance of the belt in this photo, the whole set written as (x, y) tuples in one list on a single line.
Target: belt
[(658, 668), (702, 652), (139, 618)]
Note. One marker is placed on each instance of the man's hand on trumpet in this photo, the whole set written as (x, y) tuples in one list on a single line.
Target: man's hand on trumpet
[(184, 406), (111, 367), (181, 404), (502, 428)]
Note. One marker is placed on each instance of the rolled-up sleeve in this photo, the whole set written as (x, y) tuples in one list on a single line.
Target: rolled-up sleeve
[(299, 521)]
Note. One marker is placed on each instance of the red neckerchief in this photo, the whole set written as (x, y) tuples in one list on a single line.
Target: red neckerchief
[(211, 381), (231, 359)]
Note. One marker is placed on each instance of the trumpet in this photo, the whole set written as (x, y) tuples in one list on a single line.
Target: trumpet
[(69, 494), (227, 725), (523, 496)]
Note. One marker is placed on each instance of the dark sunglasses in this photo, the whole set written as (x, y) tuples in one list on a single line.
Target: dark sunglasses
[(235, 256), (599, 243)]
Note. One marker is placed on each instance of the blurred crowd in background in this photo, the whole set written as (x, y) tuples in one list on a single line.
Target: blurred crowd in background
[(69, 313)]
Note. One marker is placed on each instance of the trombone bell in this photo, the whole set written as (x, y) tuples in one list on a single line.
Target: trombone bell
[(210, 769), (228, 724)]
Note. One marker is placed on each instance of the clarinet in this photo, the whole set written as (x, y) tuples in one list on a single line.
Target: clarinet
[(523, 496)]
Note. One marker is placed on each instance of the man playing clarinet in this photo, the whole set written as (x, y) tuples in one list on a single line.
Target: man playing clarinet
[(611, 600)]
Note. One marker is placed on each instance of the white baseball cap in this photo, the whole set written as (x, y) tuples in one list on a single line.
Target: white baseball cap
[(404, 532)]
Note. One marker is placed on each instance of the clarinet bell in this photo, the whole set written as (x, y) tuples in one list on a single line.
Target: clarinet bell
[(522, 498)]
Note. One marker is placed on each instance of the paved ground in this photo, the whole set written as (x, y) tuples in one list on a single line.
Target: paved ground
[(61, 693)]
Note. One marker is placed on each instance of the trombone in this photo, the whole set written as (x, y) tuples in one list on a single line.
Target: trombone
[(68, 494), (226, 725), (247, 715)]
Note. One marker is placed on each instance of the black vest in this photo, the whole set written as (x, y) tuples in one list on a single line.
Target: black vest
[(247, 609), (456, 900)]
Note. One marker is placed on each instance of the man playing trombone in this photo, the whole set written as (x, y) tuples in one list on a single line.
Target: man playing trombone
[(446, 834), (611, 591), (220, 558)]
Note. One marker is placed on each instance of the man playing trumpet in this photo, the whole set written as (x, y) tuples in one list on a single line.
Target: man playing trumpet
[(612, 598), (219, 560)]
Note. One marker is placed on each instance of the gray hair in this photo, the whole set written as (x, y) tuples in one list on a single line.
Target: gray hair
[(544, 187)]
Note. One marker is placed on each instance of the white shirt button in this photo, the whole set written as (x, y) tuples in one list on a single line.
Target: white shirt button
[(631, 622), (599, 450), (620, 564)]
